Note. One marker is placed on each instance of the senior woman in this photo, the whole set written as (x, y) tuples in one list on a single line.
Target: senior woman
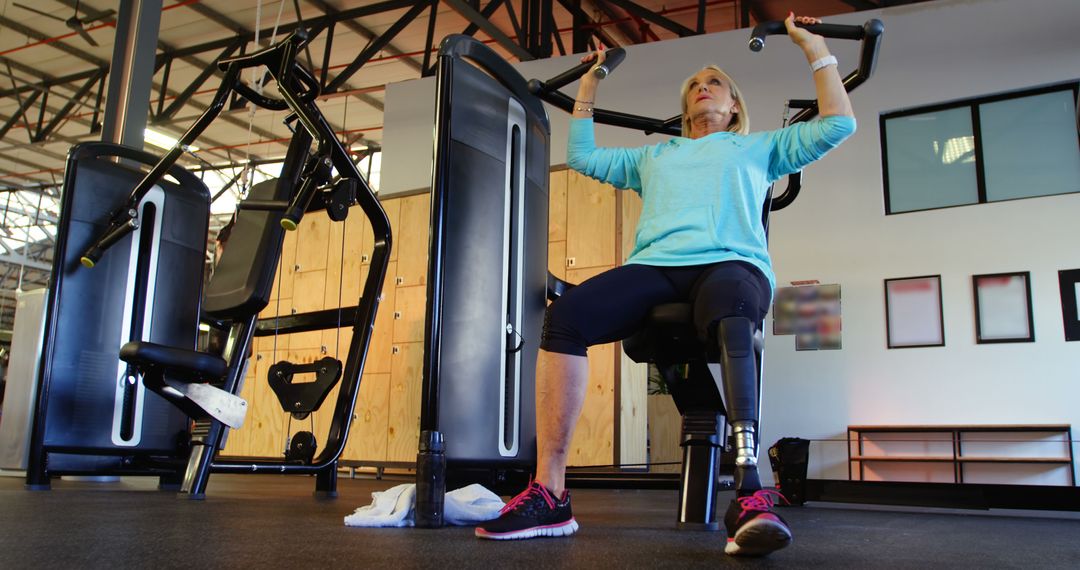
[(700, 238)]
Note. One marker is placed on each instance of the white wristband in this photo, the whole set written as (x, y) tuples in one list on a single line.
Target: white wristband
[(823, 62)]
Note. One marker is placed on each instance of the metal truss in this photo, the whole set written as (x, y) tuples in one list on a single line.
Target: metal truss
[(533, 24)]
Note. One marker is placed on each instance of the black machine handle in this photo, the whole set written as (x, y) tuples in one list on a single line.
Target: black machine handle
[(870, 35), (777, 27), (549, 92), (612, 59)]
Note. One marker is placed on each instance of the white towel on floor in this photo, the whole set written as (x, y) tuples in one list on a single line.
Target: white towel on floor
[(395, 507)]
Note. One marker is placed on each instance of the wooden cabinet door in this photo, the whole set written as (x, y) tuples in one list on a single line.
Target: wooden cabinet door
[(412, 238), (367, 437), (594, 437), (403, 429), (590, 223)]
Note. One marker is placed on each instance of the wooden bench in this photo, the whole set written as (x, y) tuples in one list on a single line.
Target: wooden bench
[(954, 437)]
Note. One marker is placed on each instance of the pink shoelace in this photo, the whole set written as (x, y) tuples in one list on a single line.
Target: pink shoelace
[(762, 500), (534, 488)]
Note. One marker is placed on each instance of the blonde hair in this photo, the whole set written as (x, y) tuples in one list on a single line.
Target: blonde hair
[(740, 122)]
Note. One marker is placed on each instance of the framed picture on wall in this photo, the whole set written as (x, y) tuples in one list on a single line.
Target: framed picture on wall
[(1003, 308), (1069, 279), (913, 314)]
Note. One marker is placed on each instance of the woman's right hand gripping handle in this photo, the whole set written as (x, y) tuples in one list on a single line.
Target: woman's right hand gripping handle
[(586, 95)]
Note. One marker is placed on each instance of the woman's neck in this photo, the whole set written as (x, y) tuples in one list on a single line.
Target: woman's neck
[(708, 123)]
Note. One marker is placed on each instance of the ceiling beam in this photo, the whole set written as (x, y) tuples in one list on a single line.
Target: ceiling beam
[(469, 13), (648, 15), (366, 33), (378, 44), (58, 44)]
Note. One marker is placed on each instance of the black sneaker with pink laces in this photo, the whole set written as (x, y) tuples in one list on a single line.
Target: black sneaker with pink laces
[(752, 528), (533, 513)]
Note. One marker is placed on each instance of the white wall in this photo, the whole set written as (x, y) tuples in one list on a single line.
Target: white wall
[(837, 231)]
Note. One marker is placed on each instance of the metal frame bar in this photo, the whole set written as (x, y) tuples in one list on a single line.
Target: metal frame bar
[(469, 13), (646, 14), (377, 45)]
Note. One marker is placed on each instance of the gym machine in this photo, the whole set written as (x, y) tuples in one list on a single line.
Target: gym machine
[(107, 343)]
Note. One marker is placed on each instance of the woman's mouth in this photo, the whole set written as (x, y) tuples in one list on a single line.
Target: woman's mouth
[(701, 97)]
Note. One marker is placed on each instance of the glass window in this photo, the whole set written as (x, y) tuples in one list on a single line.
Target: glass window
[(931, 161), (1030, 146), (1001, 147)]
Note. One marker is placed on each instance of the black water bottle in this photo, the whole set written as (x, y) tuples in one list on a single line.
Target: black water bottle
[(430, 480)]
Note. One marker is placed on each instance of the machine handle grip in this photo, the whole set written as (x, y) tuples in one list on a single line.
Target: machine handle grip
[(777, 27), (612, 59), (122, 225)]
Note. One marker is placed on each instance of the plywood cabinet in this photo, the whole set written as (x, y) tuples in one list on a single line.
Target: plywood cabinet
[(403, 424), (324, 265), (411, 239), (590, 223)]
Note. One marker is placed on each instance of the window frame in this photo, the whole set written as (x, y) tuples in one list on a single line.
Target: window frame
[(976, 130)]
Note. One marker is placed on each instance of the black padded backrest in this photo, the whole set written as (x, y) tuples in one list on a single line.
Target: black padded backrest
[(244, 277)]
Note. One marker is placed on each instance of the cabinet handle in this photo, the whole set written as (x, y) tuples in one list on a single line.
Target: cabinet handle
[(571, 261), (296, 267), (397, 315), (394, 350), (399, 280), (364, 258)]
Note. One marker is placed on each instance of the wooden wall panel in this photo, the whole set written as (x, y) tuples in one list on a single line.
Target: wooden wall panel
[(265, 417), (590, 223), (403, 429), (412, 237), (379, 351), (665, 426), (594, 438), (312, 242), (239, 440), (557, 206), (410, 307), (367, 438)]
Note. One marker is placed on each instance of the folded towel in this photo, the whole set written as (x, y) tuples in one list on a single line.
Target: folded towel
[(470, 505), (395, 507)]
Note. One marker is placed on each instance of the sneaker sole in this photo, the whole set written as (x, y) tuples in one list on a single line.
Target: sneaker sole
[(759, 537), (555, 530)]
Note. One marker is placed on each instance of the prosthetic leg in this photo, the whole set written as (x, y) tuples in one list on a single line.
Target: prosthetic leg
[(739, 364)]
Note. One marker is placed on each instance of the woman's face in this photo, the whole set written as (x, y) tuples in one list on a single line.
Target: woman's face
[(710, 92)]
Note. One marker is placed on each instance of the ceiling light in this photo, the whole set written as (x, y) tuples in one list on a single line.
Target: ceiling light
[(162, 141)]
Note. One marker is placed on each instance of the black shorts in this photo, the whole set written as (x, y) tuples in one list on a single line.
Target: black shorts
[(612, 305)]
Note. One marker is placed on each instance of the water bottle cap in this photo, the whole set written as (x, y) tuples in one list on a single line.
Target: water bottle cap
[(432, 441)]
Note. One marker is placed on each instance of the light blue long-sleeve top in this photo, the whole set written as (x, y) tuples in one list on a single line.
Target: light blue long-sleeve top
[(702, 198)]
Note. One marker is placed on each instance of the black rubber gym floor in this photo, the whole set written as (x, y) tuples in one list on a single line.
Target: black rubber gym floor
[(248, 521)]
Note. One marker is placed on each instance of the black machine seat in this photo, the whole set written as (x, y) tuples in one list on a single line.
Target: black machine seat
[(186, 365), (669, 336), (243, 280), (239, 288), (186, 378)]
